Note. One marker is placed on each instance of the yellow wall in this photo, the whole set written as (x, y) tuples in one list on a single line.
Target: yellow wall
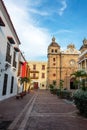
[(41, 81)]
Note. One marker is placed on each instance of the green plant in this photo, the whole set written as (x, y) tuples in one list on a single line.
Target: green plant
[(80, 100), (61, 84), (53, 90), (78, 76), (66, 94), (24, 80), (51, 86), (54, 82), (58, 92)]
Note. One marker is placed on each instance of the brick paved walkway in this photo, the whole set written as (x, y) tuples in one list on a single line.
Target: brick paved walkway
[(51, 113), (11, 108), (43, 111)]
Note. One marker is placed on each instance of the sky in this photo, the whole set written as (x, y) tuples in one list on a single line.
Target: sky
[(37, 21)]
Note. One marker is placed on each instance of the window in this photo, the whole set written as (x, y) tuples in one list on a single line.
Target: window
[(1, 22), (14, 58), (54, 75), (52, 50), (5, 84), (43, 75), (34, 75), (54, 64), (43, 67), (42, 85), (11, 40), (8, 57), (56, 50), (34, 67), (12, 82), (53, 59)]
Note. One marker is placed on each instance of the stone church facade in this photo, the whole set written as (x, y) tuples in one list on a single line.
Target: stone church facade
[(61, 64)]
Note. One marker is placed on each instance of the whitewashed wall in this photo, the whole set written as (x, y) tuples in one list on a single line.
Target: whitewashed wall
[(4, 32)]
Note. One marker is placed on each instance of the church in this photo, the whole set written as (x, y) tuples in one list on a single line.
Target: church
[(61, 64)]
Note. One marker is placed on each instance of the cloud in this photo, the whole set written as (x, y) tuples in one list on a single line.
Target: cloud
[(63, 31), (62, 9), (42, 13), (34, 39), (45, 8), (25, 17)]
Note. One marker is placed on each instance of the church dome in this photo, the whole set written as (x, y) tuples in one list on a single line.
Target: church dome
[(53, 43)]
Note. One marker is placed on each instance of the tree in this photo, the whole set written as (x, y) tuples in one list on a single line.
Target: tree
[(24, 80), (61, 84), (78, 75)]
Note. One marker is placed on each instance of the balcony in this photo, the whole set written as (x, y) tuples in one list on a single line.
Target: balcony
[(34, 77), (34, 71)]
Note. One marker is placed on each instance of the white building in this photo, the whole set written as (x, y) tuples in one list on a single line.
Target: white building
[(9, 53), (82, 61)]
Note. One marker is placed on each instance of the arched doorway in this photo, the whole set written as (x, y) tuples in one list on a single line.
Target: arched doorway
[(72, 84)]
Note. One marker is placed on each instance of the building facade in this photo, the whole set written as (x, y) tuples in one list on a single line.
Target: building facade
[(9, 55), (23, 72), (82, 61), (61, 64), (83, 56), (38, 74)]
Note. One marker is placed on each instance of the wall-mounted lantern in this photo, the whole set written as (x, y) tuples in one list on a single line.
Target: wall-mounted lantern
[(6, 67)]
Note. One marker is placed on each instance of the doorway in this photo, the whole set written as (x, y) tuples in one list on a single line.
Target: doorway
[(35, 85), (72, 84)]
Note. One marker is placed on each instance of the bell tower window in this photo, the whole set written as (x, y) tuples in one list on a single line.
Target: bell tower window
[(53, 59), (52, 50), (56, 50)]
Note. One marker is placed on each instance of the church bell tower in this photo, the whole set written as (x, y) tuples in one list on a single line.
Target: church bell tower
[(53, 71)]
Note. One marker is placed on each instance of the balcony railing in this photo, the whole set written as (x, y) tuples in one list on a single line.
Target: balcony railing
[(34, 77)]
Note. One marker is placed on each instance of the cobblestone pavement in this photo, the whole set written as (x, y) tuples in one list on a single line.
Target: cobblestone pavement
[(50, 113)]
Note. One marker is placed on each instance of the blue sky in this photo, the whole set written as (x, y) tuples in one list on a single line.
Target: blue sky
[(37, 21)]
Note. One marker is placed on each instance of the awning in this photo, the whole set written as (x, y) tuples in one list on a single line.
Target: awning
[(11, 40), (1, 22)]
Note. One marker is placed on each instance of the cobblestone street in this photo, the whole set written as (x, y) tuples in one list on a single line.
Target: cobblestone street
[(45, 111)]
